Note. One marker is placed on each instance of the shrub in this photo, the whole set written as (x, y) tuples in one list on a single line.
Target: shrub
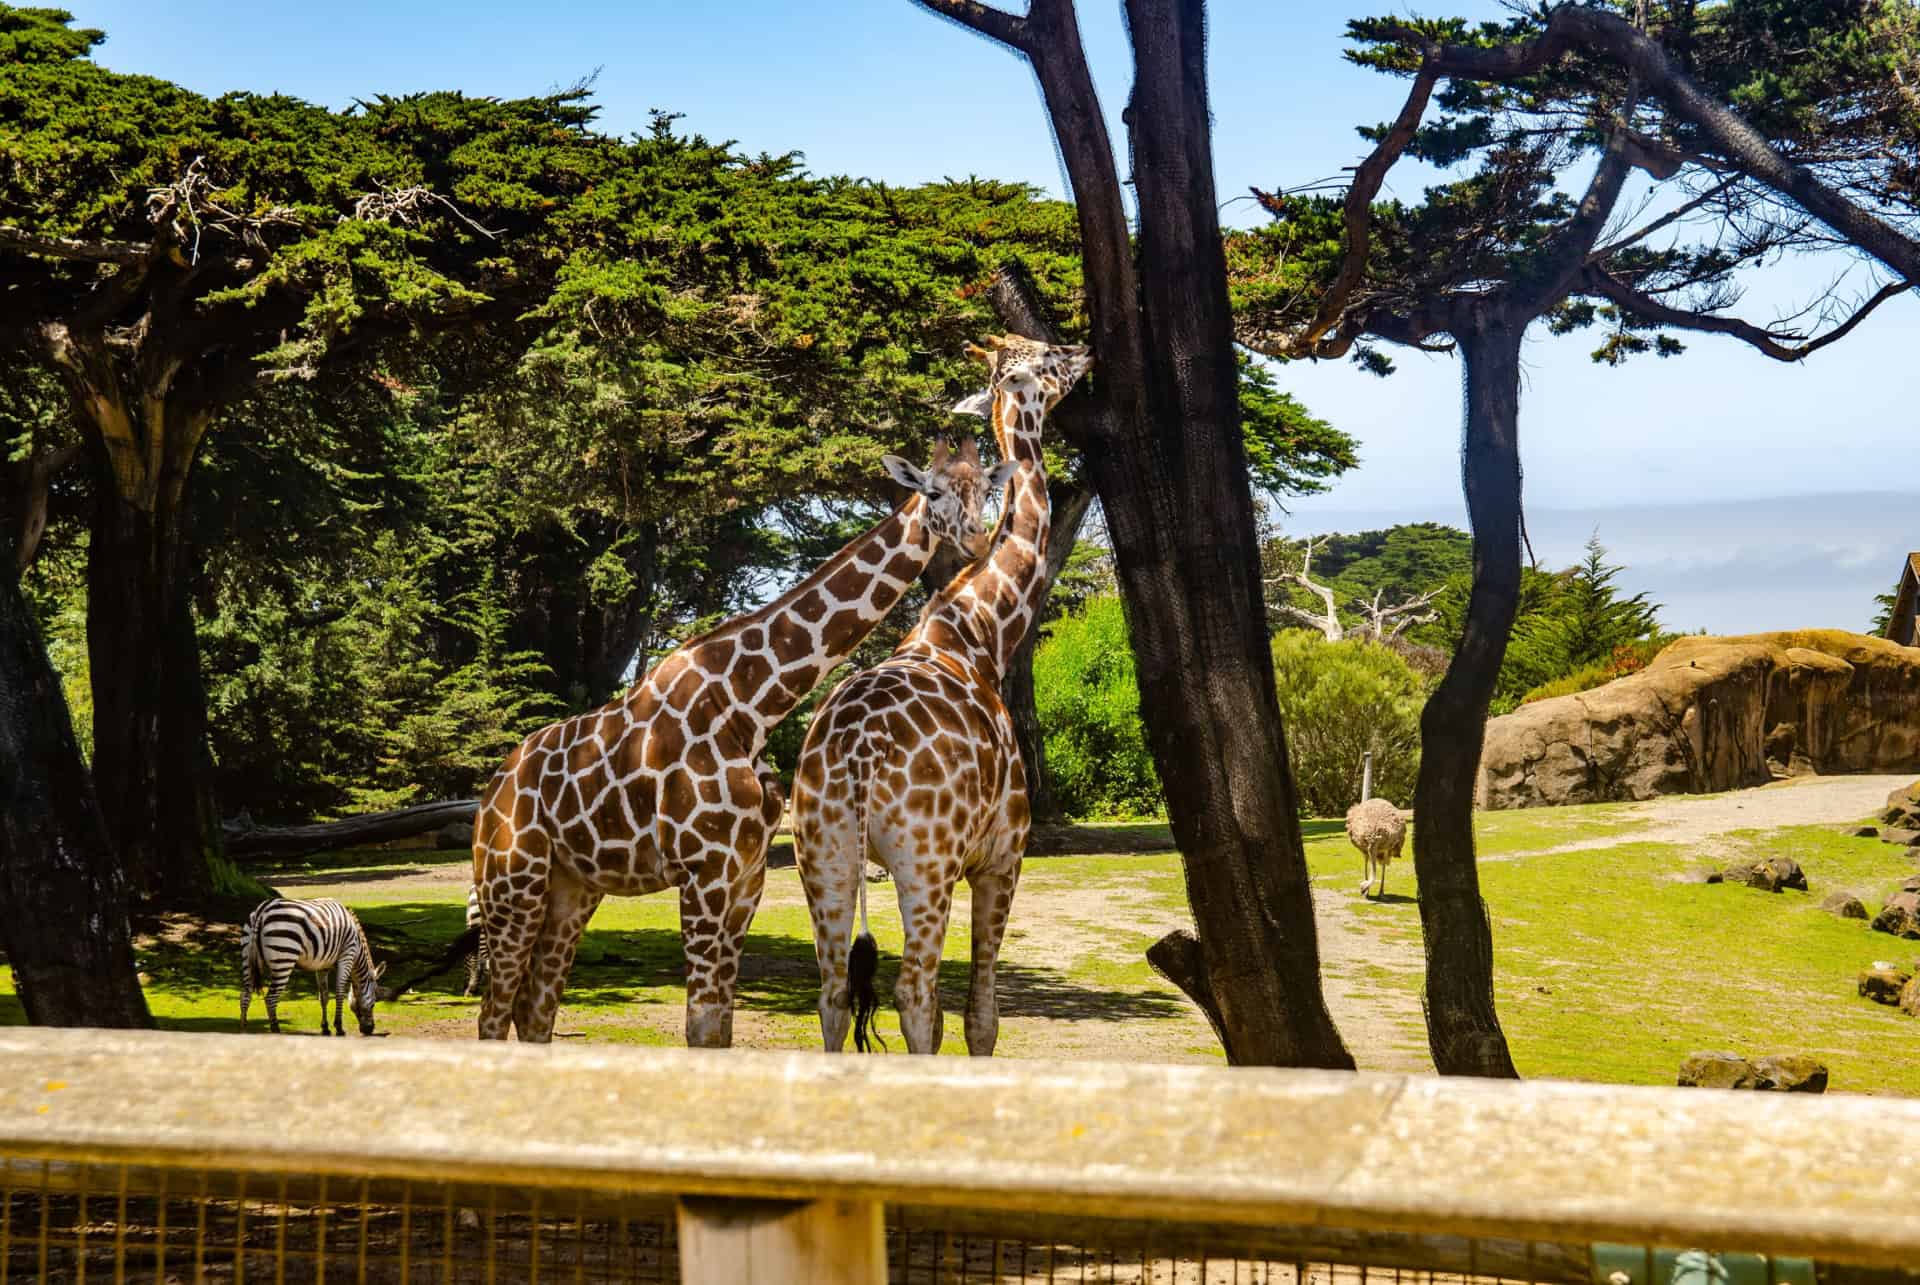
[(1338, 701), (1089, 709), (1627, 658)]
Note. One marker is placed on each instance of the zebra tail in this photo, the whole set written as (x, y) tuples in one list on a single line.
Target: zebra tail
[(454, 954)]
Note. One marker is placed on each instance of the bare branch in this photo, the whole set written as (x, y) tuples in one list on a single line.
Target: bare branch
[(1401, 616), (996, 24), (1328, 624), (58, 247)]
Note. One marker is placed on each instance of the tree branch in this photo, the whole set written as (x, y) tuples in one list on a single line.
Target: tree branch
[(1744, 147), (1367, 178), (1596, 281), (996, 24), (1017, 303), (57, 247)]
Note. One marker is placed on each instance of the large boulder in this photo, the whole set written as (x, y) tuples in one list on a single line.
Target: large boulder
[(1900, 916), (1883, 983), (1712, 714), (1910, 997), (1783, 1072), (1903, 808)]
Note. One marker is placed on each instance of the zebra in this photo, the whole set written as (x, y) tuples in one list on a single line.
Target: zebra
[(478, 964), (315, 936)]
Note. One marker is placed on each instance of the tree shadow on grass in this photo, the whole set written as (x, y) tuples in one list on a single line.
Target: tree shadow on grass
[(1322, 829)]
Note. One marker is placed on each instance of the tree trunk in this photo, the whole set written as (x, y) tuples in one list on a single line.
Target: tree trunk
[(1180, 509), (63, 901), (1462, 1028), (352, 832), (1070, 506), (150, 756)]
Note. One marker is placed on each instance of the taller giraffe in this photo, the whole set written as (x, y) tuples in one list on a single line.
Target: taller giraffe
[(914, 762), (660, 789)]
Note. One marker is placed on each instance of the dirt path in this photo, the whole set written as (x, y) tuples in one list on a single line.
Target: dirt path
[(1363, 945), (1701, 819)]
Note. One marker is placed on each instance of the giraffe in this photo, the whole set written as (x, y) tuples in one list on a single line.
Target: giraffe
[(665, 787), (914, 763)]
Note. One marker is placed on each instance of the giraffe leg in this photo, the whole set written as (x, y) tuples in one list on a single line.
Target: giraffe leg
[(716, 909), (992, 899), (926, 900), (514, 910), (831, 872), (570, 904)]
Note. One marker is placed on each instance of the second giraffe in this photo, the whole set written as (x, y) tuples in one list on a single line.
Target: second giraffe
[(914, 762)]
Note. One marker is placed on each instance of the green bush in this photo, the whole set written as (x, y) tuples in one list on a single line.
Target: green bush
[(1089, 711), (1338, 701)]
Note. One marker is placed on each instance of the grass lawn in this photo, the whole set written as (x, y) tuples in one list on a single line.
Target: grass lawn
[(1610, 966)]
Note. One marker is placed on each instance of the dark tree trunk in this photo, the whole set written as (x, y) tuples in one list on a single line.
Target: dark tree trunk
[(1180, 510), (151, 760), (63, 901), (1158, 423), (1462, 1027), (1070, 506)]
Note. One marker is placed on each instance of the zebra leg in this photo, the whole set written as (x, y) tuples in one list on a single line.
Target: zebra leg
[(340, 980), (276, 987), (246, 989)]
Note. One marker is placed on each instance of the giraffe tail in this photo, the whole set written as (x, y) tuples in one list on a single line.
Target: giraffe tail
[(863, 961)]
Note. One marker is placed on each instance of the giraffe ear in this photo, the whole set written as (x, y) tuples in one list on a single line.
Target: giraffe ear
[(904, 473), (1002, 474), (979, 403)]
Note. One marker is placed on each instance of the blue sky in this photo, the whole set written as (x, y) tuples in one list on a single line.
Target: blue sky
[(883, 89)]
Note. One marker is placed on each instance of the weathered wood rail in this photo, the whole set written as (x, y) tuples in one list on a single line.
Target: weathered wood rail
[(1393, 1170)]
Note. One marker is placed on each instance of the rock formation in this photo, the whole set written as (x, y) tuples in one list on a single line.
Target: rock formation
[(1712, 714)]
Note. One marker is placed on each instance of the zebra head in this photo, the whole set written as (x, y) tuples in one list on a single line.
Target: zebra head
[(366, 989)]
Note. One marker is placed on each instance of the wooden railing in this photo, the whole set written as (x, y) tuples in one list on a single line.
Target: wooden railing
[(774, 1166)]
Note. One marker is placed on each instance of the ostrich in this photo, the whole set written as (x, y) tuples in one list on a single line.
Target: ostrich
[(1375, 827)]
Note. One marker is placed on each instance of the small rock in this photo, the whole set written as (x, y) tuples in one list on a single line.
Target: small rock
[(1910, 997), (1867, 832), (1702, 874), (1845, 905), (1784, 1072), (453, 835), (1771, 874), (1901, 836), (1900, 916), (1883, 983), (877, 873)]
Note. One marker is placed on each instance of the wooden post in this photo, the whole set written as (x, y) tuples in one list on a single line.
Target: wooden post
[(1366, 776), (781, 1242)]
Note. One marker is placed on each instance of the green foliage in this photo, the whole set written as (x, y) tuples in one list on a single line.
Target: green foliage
[(1089, 706), (1627, 658), (1338, 701), (1883, 604), (1289, 451)]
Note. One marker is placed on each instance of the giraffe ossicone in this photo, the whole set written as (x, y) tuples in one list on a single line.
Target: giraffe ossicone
[(914, 763), (666, 787)]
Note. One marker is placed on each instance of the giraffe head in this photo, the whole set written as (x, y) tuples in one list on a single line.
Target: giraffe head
[(1027, 365), (955, 490)]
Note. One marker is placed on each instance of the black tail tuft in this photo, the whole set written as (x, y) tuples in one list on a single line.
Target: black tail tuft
[(455, 954), (863, 961)]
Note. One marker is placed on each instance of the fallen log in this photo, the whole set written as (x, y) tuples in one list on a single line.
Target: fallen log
[(244, 839)]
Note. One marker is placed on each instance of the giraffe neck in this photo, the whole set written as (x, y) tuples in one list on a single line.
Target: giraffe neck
[(771, 658), (985, 613)]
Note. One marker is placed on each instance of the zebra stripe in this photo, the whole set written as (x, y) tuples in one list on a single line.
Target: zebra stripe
[(479, 963), (314, 936)]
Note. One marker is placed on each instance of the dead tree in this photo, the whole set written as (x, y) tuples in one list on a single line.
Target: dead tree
[(1386, 622), (1161, 438), (1327, 621)]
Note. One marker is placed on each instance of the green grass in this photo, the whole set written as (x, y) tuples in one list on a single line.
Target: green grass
[(1609, 966)]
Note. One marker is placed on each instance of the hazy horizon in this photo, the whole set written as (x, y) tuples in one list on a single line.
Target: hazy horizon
[(1726, 566)]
